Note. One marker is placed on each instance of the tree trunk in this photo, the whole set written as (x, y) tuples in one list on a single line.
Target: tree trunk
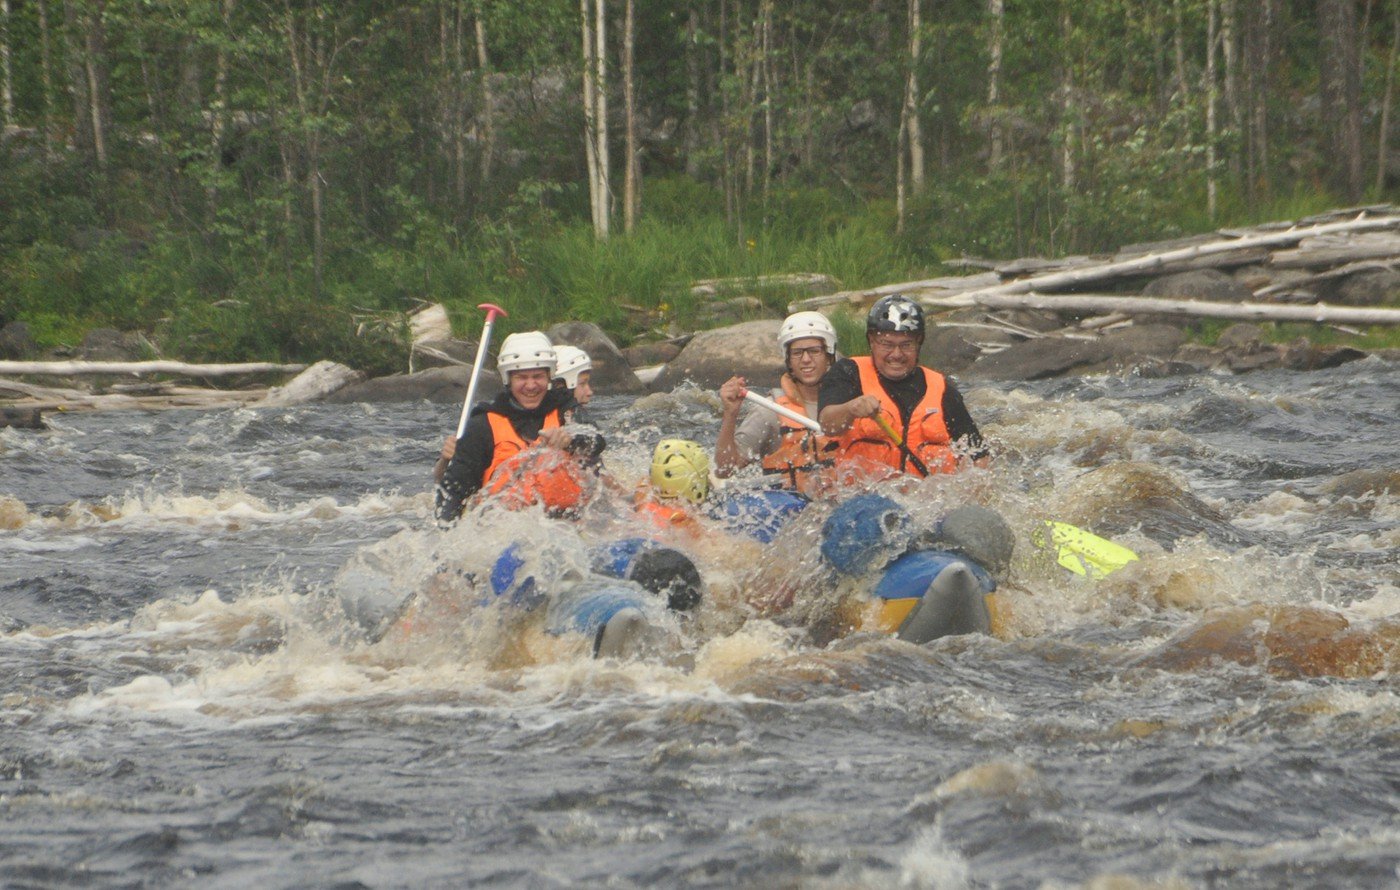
[(488, 102), (765, 60), (1229, 49), (457, 116), (1160, 306), (7, 91), (1179, 52), (1211, 135), (98, 82), (1383, 133), (996, 11), (1068, 172), (600, 35), (911, 98), (590, 111), (219, 124), (46, 77), (632, 176), (1339, 76), (692, 91)]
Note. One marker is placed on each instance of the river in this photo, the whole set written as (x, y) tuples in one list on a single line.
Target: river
[(184, 704)]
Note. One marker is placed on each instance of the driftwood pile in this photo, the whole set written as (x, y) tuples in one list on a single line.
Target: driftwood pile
[(1286, 265), (25, 402)]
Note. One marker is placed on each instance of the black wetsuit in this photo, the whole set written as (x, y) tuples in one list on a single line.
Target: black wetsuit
[(466, 472)]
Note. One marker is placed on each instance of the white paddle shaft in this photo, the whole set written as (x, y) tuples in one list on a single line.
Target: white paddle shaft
[(773, 406)]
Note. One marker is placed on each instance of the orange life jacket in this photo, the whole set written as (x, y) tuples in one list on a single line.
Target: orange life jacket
[(519, 477), (667, 513), (926, 435), (800, 452)]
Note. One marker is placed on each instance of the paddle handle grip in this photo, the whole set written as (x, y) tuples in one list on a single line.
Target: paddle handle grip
[(773, 406), (492, 310), (889, 429)]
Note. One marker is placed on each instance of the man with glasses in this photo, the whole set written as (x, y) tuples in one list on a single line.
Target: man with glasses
[(887, 412)]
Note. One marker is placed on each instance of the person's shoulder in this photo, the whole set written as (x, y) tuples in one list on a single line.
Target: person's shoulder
[(559, 400)]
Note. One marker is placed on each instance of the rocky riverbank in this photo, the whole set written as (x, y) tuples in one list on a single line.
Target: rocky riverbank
[(1026, 319)]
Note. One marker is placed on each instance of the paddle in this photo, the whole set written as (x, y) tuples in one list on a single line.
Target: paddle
[(899, 442), (1083, 553), (773, 406), (492, 310)]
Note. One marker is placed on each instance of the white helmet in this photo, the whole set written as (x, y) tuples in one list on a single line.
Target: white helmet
[(522, 352), (569, 362), (800, 325)]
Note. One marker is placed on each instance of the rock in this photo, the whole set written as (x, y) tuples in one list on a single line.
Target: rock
[(1242, 337), (22, 418), (749, 349), (1305, 356), (732, 311), (642, 355), (314, 384), (17, 342), (108, 345), (1200, 356), (1375, 288), (1363, 483), (430, 323), (443, 354), (946, 349), (1202, 284), (1144, 341), (1036, 359), (1263, 358), (611, 372), (442, 385)]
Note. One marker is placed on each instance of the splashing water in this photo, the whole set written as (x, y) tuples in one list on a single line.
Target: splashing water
[(185, 700)]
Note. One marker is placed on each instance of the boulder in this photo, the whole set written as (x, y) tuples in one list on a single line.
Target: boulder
[(947, 350), (22, 418), (1242, 337), (108, 345), (749, 349), (1144, 341), (442, 385), (314, 384), (1036, 359), (17, 342), (1202, 284), (1379, 287), (611, 372), (642, 355), (443, 354)]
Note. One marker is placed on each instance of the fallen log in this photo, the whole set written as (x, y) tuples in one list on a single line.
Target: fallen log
[(77, 368), (1222, 251), (1319, 313), (1153, 263)]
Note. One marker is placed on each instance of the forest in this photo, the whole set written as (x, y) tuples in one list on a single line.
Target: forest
[(284, 179)]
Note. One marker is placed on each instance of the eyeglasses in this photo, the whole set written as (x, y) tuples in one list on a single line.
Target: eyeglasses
[(909, 347), (807, 352)]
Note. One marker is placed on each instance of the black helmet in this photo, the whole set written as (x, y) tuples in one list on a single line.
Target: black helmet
[(896, 313)]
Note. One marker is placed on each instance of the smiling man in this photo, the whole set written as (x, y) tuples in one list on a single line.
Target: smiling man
[(860, 396), (499, 435)]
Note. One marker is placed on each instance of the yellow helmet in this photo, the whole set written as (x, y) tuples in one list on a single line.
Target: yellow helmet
[(680, 469)]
